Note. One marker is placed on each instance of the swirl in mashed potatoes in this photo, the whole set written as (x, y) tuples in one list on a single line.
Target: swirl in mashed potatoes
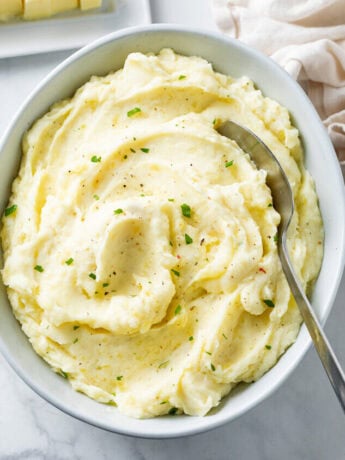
[(140, 249)]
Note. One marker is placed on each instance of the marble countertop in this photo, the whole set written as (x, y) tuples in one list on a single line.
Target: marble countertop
[(302, 420)]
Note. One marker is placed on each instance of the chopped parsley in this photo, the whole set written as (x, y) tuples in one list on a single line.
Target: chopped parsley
[(76, 327), (212, 367), (178, 310), (10, 210), (186, 211), (145, 150), (268, 347), (229, 163), (118, 211), (181, 77), (173, 411), (208, 352), (134, 111), (119, 377), (75, 340), (111, 403), (225, 337), (269, 303), (270, 205), (63, 374), (105, 284), (163, 402), (188, 239), (39, 268), (96, 159), (96, 197), (132, 150), (69, 261), (162, 365), (191, 338), (275, 238), (175, 272), (171, 199), (92, 276)]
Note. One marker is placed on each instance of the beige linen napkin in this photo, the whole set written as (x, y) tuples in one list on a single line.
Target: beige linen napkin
[(307, 38)]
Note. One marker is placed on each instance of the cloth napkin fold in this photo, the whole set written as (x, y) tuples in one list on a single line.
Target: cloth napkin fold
[(307, 38)]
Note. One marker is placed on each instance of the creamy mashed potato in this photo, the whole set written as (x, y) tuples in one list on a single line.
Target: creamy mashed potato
[(140, 252)]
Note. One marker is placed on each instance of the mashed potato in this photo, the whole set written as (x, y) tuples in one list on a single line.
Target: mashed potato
[(140, 249)]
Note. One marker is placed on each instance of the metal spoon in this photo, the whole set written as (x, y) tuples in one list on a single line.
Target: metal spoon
[(284, 204)]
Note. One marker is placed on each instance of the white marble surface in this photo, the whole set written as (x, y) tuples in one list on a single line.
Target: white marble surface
[(302, 420)]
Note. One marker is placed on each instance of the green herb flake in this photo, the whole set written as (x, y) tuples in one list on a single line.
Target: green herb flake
[(268, 347), (118, 211), (76, 327), (163, 402), (178, 310), (92, 276), (111, 403), (225, 337), (63, 374), (69, 261), (212, 367), (96, 159), (186, 211), (173, 411), (164, 364), (75, 340), (145, 150), (270, 205), (134, 111), (208, 352), (229, 163), (96, 197), (171, 199), (181, 77), (132, 150), (39, 268), (119, 377), (175, 272), (105, 284), (12, 209), (275, 238), (188, 239), (191, 338), (269, 303)]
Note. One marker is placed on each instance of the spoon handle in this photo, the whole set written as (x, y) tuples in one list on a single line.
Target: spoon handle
[(329, 360)]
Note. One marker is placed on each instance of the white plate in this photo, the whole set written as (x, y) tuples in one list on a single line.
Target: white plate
[(72, 29)]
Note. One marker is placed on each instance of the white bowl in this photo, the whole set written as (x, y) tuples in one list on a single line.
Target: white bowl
[(229, 57)]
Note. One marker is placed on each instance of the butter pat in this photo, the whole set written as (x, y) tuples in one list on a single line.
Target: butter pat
[(9, 9), (57, 6), (37, 9), (89, 4)]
